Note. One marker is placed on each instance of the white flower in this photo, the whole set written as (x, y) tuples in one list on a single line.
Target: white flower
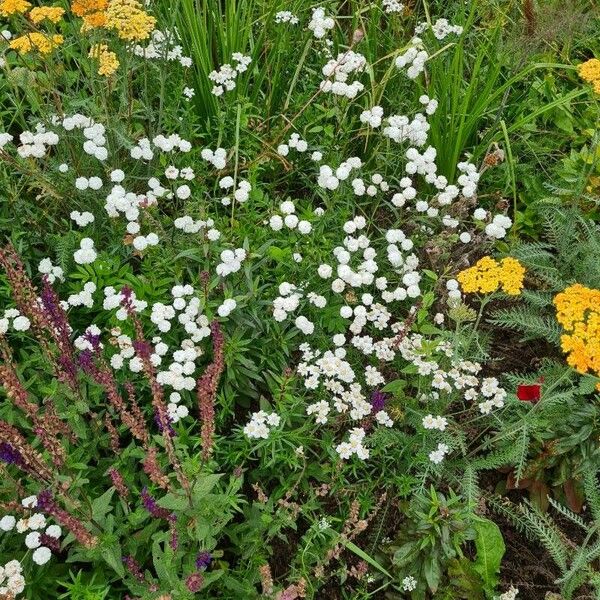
[(32, 540), (21, 323), (41, 555), (409, 583), (7, 522)]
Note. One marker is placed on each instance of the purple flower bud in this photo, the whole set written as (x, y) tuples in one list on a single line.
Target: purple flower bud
[(378, 400), (10, 455), (203, 560)]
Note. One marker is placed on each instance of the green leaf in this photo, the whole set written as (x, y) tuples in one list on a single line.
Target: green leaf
[(173, 502), (101, 505), (111, 553), (490, 547), (205, 484), (432, 571), (360, 553), (394, 387)]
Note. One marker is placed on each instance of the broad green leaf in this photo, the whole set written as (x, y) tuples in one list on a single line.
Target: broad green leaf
[(490, 547)]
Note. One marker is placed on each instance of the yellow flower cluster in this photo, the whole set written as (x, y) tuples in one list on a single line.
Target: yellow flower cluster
[(51, 13), (578, 311), (41, 42), (93, 12), (488, 275), (590, 71), (13, 7), (128, 18), (109, 62)]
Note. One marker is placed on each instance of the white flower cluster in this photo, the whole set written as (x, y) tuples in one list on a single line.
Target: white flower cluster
[(285, 16), (430, 105), (82, 218), (413, 60), (290, 220), (216, 158), (180, 373), (260, 425), (189, 225), (33, 524), (175, 410), (82, 342), (400, 129), (287, 302), (83, 298), (373, 117), (495, 395), (497, 228), (227, 307), (437, 456), (354, 445), (19, 322), (113, 300), (225, 77), (51, 271), (241, 194), (320, 24), (12, 582), (86, 254), (92, 183), (340, 69), (441, 29), (295, 142), (360, 188), (392, 6), (231, 261), (143, 149), (94, 133), (5, 138), (36, 144), (327, 180), (431, 422), (409, 584), (163, 46)]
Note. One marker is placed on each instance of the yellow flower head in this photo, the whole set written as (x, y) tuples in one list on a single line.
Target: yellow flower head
[(488, 275), (578, 311), (42, 43), (130, 21), (51, 13), (109, 62), (93, 12), (590, 71), (13, 7)]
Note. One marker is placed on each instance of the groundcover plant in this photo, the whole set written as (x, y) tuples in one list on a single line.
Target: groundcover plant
[(299, 300)]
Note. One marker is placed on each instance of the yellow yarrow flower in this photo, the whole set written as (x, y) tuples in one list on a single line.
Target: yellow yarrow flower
[(93, 12), (488, 275), (130, 21), (578, 311), (109, 62), (590, 71), (51, 13), (13, 7), (41, 42)]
